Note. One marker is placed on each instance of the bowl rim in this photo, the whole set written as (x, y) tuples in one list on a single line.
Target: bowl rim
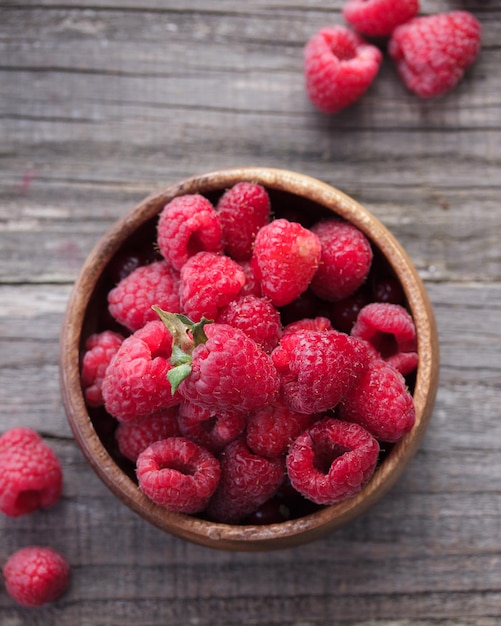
[(249, 537)]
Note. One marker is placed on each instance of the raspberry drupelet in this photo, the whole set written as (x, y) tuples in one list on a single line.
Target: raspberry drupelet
[(188, 224), (31, 476), (332, 461), (339, 67), (36, 575)]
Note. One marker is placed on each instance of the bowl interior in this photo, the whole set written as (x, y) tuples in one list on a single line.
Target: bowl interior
[(299, 198)]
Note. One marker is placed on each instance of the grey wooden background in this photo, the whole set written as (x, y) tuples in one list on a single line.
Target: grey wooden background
[(104, 101)]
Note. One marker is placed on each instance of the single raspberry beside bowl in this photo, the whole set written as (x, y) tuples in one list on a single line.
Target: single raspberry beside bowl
[(31, 475), (379, 18), (36, 575), (433, 52), (178, 474), (339, 67), (332, 461)]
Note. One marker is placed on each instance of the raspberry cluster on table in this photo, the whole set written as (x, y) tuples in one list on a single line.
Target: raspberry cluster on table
[(255, 366), (431, 52)]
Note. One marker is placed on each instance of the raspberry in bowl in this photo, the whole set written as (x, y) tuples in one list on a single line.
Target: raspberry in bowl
[(249, 359)]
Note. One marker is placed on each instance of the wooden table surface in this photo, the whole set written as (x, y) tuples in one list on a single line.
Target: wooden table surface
[(105, 101)]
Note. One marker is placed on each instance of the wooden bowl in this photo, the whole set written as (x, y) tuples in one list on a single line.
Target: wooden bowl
[(93, 429)]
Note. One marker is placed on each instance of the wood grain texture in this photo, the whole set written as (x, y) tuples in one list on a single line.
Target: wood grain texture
[(103, 102)]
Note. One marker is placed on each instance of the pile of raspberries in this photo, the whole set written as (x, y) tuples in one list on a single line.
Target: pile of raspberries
[(431, 53), (254, 365)]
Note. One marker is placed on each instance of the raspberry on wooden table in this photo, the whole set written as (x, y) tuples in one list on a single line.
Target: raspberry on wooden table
[(31, 475), (36, 575), (188, 224), (136, 380), (332, 461), (380, 402), (208, 283), (131, 300), (339, 67), (433, 52), (247, 481), (285, 258), (390, 329), (345, 260), (99, 350), (136, 435), (242, 210), (379, 18), (316, 369), (178, 474)]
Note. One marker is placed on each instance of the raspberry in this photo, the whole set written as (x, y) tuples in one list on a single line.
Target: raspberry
[(131, 300), (247, 481), (242, 210), (433, 52), (31, 476), (332, 461), (36, 575), (390, 329), (136, 380), (316, 369), (188, 224), (222, 369), (308, 323), (136, 435), (212, 431), (285, 258), (345, 261), (271, 430), (99, 350), (257, 317), (178, 474), (339, 67), (380, 402), (379, 18), (208, 283)]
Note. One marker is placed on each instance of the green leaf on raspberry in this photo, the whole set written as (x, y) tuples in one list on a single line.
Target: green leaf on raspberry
[(186, 336)]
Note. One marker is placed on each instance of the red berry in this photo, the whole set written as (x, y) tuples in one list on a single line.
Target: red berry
[(390, 329), (345, 260), (188, 224), (332, 461), (36, 575), (285, 258), (136, 380), (433, 52), (272, 429), (131, 300), (316, 369), (31, 475), (136, 435), (380, 402), (178, 474), (210, 430), (242, 210), (308, 323), (247, 481), (379, 18), (99, 350), (339, 67), (257, 317), (208, 283), (229, 372)]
